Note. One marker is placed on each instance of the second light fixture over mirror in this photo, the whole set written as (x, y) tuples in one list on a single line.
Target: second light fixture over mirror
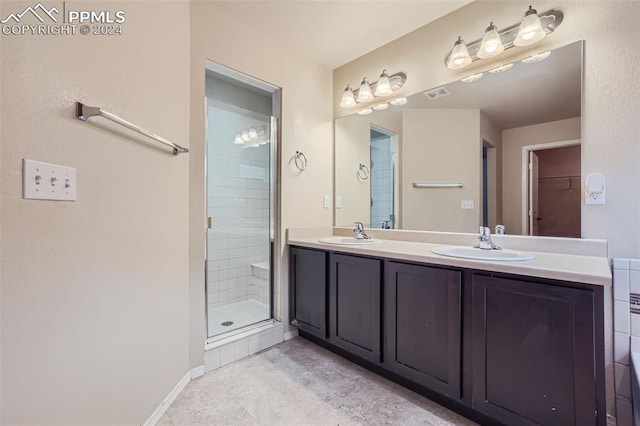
[(383, 87), (532, 29)]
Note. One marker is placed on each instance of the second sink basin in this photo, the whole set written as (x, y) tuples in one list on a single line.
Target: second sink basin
[(345, 241), (480, 254)]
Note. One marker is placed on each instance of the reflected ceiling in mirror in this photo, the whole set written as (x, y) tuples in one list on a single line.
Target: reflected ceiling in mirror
[(441, 135)]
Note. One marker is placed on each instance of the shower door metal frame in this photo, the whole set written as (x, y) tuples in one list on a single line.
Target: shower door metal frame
[(274, 194)]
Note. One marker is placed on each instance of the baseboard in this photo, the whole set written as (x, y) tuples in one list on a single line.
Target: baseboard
[(197, 372), (291, 334), (166, 403)]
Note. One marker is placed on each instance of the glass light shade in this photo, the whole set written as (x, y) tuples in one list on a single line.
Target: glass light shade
[(245, 136), (501, 68), (459, 57), (238, 140), (472, 78), (365, 111), (348, 100), (364, 94), (253, 133), (530, 30), (383, 87), (491, 43), (381, 107), (399, 101), (536, 58)]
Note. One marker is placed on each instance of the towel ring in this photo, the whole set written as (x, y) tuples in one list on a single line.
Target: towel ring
[(298, 159), (363, 172)]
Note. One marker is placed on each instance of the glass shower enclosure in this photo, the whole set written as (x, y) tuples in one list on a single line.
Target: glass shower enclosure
[(239, 180)]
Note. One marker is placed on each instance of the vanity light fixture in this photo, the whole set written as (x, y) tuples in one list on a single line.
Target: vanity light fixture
[(530, 30), (533, 28), (491, 44), (459, 57), (248, 135), (536, 58), (385, 86), (238, 140), (472, 78), (364, 94), (399, 101), (365, 111), (501, 68)]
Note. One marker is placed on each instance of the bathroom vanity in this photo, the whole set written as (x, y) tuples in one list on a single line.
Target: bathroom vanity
[(517, 343)]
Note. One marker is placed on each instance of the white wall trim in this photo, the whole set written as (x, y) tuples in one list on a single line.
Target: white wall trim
[(525, 174), (293, 332), (177, 389), (197, 372)]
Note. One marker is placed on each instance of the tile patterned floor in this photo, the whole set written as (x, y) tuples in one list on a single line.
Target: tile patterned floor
[(299, 383), (242, 314)]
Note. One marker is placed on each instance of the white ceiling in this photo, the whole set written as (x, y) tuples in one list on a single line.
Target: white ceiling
[(333, 33)]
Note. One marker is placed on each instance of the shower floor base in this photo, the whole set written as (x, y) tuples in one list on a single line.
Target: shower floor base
[(240, 314)]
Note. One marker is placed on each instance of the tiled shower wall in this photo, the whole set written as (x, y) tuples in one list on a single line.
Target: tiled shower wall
[(238, 202), (626, 324), (381, 180)]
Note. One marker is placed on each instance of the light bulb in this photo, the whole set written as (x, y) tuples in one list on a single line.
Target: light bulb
[(381, 107), (245, 136), (383, 87), (459, 57), (530, 30), (365, 111), (348, 100), (253, 133), (364, 94), (491, 43)]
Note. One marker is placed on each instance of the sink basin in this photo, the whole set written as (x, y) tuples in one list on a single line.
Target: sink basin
[(348, 241), (479, 254)]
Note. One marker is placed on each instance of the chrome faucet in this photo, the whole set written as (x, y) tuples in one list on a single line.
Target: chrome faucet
[(485, 240), (359, 231), (386, 224)]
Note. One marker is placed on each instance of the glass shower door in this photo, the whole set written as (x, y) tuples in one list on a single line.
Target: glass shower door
[(239, 174)]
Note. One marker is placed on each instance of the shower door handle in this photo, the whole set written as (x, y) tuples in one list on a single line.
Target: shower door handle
[(210, 222)]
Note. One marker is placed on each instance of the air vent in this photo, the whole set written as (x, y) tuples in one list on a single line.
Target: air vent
[(436, 93)]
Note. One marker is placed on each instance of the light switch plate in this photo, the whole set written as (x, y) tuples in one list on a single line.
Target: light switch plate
[(338, 201), (46, 181), (466, 205), (326, 202)]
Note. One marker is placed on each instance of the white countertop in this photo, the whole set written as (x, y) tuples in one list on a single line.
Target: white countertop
[(565, 267)]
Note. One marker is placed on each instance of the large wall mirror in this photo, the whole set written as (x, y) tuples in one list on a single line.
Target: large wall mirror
[(503, 149)]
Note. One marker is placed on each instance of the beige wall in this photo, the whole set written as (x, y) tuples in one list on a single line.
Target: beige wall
[(512, 141), (440, 146), (352, 147), (219, 33), (95, 292)]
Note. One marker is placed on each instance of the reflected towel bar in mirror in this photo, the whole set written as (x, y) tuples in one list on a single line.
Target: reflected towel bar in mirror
[(84, 112), (437, 185)]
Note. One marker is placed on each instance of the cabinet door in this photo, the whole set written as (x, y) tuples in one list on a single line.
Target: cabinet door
[(354, 289), (308, 279), (533, 352), (422, 325)]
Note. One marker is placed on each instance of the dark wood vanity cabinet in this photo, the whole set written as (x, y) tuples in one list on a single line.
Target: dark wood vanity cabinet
[(423, 325), (498, 348), (533, 351), (308, 290), (354, 305)]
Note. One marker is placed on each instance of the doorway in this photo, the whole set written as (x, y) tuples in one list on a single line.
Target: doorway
[(241, 152), (383, 182), (553, 190)]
